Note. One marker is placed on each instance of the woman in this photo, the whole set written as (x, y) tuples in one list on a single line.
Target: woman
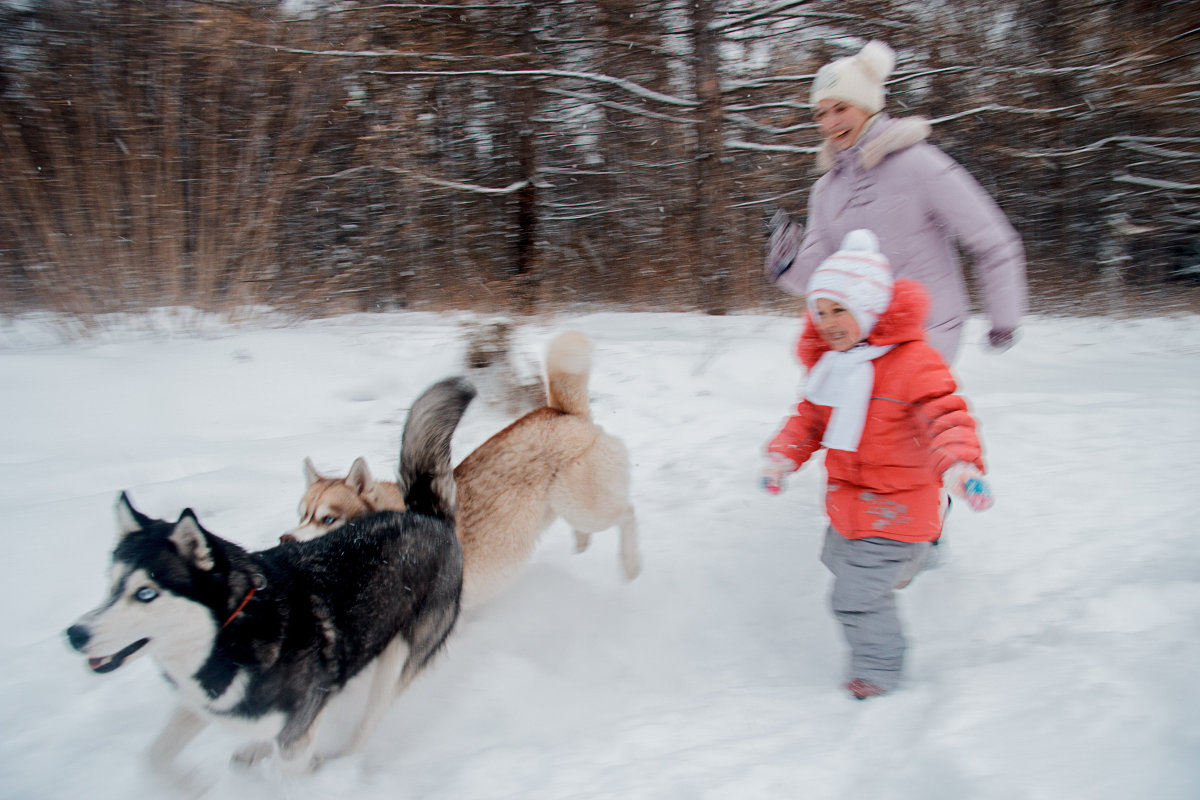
[(881, 174)]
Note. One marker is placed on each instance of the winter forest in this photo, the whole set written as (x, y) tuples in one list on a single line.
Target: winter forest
[(513, 156), (239, 234)]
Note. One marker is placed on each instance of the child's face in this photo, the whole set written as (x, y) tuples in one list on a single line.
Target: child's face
[(836, 324)]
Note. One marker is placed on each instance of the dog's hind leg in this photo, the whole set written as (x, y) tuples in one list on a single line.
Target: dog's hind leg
[(582, 540), (428, 635), (592, 494), (386, 672), (631, 557), (626, 521)]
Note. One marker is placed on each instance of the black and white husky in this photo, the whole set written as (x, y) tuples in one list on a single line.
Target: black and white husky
[(264, 639)]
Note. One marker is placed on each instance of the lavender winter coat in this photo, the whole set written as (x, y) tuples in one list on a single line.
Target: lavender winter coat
[(918, 201)]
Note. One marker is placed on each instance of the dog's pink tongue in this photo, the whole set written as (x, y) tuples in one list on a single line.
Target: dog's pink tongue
[(97, 663)]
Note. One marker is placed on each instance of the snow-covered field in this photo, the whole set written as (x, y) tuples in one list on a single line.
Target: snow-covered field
[(1055, 652)]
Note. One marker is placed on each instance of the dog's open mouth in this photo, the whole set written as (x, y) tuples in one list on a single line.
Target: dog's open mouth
[(109, 663)]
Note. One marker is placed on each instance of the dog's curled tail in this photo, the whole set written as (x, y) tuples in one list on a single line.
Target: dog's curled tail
[(568, 365), (425, 476)]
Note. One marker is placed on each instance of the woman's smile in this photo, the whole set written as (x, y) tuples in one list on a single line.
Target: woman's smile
[(840, 122)]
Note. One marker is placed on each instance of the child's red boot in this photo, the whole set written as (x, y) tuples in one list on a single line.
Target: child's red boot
[(862, 689)]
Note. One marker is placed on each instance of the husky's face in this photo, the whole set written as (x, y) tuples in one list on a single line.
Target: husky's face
[(329, 503), (149, 608)]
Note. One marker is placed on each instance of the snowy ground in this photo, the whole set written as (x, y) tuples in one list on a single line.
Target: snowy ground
[(1055, 652)]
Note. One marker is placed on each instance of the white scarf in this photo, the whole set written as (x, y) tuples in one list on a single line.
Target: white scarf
[(844, 380)]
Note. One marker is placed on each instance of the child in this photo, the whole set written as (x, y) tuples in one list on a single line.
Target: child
[(882, 401)]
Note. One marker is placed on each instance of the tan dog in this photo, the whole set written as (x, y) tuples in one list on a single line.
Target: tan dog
[(553, 462)]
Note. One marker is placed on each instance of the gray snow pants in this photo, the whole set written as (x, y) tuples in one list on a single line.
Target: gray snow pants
[(866, 573)]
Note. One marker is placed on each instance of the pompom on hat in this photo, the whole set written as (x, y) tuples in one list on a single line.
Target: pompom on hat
[(857, 277), (856, 79)]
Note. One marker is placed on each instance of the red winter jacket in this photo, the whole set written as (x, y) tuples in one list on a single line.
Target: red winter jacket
[(916, 427)]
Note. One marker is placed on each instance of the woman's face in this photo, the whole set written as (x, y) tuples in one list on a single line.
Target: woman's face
[(840, 122), (836, 324)]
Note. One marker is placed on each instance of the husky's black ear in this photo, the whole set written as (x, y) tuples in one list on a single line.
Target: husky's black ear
[(311, 475), (129, 519), (191, 542), (359, 478)]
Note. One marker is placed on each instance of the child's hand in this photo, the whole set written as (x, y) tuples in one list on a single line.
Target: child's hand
[(966, 482), (776, 468)]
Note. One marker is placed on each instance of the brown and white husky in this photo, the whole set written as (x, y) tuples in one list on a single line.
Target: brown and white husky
[(553, 462)]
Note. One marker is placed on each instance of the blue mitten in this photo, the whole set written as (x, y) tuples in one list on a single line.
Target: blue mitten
[(966, 482), (776, 468)]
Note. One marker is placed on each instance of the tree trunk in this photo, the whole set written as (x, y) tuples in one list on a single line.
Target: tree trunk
[(711, 240), (525, 263)]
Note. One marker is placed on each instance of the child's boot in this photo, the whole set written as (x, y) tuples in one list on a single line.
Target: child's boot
[(862, 689)]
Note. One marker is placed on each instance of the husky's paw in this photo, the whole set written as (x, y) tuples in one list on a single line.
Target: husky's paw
[(251, 754), (301, 764), (582, 540), (174, 781), (631, 563), (300, 757), (190, 785)]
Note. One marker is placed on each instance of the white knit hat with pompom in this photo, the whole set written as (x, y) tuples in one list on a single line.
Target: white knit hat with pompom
[(857, 79), (858, 277)]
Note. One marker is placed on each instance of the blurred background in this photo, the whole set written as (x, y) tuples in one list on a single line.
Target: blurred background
[(511, 156)]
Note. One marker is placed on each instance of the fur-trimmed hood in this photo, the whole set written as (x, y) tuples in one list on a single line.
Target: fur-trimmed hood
[(884, 136), (904, 321)]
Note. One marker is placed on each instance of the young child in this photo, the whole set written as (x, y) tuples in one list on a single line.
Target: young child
[(883, 403)]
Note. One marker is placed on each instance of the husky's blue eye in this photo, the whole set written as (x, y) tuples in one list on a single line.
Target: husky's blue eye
[(328, 520), (145, 594)]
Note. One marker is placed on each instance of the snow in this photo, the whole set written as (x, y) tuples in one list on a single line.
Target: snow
[(1054, 652)]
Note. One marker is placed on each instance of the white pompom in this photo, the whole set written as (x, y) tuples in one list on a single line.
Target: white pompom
[(877, 59), (860, 241)]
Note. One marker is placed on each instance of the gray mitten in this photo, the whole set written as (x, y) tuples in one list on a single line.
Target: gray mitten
[(783, 246)]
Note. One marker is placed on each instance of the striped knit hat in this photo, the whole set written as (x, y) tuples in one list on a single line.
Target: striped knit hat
[(857, 277)]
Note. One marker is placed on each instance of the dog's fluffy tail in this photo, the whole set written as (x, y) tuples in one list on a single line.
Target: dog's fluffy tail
[(568, 365), (425, 476)]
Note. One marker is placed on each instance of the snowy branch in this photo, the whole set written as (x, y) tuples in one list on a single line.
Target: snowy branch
[(751, 124), (766, 82), (1161, 152), (737, 144), (539, 74), (772, 201), (784, 104), (593, 99), (423, 7), (1155, 183), (992, 107), (367, 53), (755, 16), (1100, 143), (471, 188)]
